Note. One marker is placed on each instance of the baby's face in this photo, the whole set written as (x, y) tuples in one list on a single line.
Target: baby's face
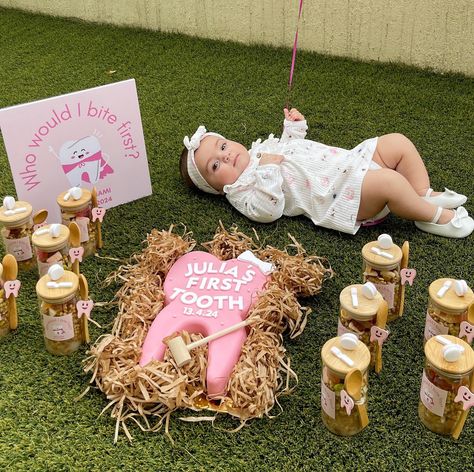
[(221, 161)]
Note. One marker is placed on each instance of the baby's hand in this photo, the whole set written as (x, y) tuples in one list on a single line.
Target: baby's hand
[(270, 159), (293, 115)]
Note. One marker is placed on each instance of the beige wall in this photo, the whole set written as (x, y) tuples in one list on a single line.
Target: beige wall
[(426, 33)]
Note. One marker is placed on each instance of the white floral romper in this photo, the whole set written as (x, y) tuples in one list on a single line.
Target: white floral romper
[(322, 182)]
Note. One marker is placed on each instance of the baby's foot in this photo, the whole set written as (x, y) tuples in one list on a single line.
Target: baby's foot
[(451, 224), (446, 216), (446, 199)]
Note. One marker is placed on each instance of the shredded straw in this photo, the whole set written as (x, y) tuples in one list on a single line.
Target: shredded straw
[(148, 395)]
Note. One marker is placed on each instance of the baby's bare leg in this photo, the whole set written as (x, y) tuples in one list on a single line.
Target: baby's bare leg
[(395, 151), (388, 187)]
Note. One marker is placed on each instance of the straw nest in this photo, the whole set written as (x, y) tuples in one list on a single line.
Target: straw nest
[(147, 395)]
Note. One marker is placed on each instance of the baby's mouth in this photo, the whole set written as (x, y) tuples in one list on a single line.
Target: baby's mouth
[(235, 159)]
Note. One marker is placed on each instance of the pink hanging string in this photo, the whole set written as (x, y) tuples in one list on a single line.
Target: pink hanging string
[(293, 57)]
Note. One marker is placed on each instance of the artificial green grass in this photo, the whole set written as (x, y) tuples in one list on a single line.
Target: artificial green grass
[(239, 91)]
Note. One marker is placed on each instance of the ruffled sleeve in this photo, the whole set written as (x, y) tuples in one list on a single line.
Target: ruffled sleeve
[(294, 130), (258, 195)]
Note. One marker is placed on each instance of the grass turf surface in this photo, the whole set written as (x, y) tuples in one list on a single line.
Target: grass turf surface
[(238, 91)]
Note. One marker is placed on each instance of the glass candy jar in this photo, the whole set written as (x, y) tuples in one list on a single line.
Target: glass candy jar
[(62, 328), (51, 243), (382, 267), (334, 412), (16, 233), (362, 316), (448, 312), (445, 379), (80, 211)]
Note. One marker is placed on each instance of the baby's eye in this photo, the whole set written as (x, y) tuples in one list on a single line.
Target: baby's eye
[(215, 166), (224, 145)]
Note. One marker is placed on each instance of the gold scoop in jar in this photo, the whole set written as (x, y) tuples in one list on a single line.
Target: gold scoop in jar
[(74, 242), (10, 272), (353, 386)]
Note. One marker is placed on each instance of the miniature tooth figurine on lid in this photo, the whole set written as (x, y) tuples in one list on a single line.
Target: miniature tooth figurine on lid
[(58, 295), (80, 205), (386, 266), (16, 218), (364, 312), (447, 387), (345, 362), (450, 309), (51, 243)]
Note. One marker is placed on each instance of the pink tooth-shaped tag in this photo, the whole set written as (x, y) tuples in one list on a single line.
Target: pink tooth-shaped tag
[(98, 214), (84, 307), (11, 288), (378, 334), (346, 402), (76, 253), (466, 329), (465, 396), (407, 275)]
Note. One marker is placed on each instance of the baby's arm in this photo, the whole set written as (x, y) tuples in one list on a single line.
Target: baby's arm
[(294, 126), (263, 200)]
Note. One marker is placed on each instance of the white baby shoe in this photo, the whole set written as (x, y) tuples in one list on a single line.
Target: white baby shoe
[(447, 199), (460, 226)]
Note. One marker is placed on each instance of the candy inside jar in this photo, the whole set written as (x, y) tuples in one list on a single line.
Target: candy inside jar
[(16, 232), (80, 211), (447, 310), (58, 297), (441, 407), (51, 243), (382, 267), (336, 411)]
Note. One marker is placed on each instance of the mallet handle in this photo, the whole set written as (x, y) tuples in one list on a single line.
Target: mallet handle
[(219, 334)]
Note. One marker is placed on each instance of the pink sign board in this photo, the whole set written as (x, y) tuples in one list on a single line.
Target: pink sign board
[(89, 138)]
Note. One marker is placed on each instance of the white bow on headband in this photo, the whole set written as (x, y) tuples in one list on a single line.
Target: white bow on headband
[(192, 145), (195, 141)]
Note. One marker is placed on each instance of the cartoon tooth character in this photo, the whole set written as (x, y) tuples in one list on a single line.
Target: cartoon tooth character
[(83, 161)]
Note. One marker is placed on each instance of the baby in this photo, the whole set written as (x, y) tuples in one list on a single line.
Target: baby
[(337, 188)]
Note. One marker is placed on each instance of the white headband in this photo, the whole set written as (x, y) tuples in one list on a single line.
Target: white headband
[(192, 145)]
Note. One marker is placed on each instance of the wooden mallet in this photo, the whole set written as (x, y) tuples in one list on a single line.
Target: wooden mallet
[(180, 350)]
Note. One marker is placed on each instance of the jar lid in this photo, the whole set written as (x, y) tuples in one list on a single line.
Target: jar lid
[(360, 356), (16, 219), (46, 242), (434, 354), (57, 295), (366, 309), (450, 300), (72, 204), (378, 260)]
